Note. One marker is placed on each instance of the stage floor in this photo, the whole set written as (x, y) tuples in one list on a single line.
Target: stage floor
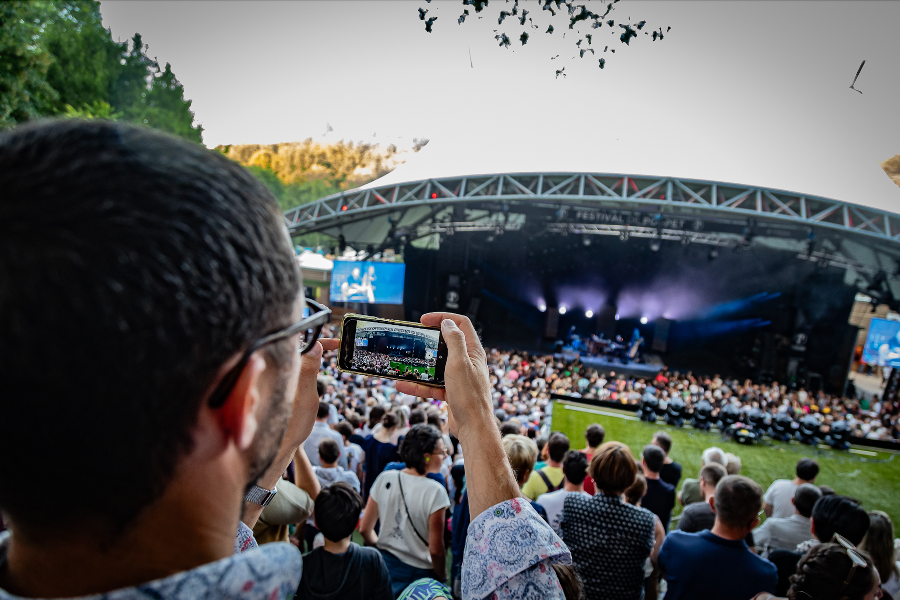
[(649, 368)]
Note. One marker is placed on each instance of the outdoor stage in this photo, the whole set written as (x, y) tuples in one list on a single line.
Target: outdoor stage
[(650, 368)]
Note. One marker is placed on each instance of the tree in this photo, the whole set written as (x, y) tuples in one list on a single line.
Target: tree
[(24, 91)]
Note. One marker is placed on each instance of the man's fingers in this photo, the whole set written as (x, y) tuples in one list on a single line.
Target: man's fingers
[(412, 388), (465, 325), (311, 362), (329, 344), (454, 338)]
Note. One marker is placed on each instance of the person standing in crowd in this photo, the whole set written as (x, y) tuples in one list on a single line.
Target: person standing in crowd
[(690, 488), (549, 478), (411, 508), (698, 516), (879, 543), (328, 474), (660, 496), (779, 495), (609, 539), (379, 451), (832, 572), (575, 466), (522, 454), (633, 496), (830, 515), (671, 470), (353, 451), (594, 436), (541, 442), (375, 415), (787, 534), (322, 430), (341, 569), (733, 464), (718, 563)]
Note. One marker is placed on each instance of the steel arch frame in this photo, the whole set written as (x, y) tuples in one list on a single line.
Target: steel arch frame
[(610, 190)]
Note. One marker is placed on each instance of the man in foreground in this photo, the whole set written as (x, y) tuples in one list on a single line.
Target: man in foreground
[(151, 327), (718, 563)]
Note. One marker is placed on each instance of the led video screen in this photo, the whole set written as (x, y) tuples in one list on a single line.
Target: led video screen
[(368, 282), (882, 344)]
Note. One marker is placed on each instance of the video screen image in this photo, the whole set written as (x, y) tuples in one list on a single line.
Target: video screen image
[(368, 282), (395, 351), (882, 344)]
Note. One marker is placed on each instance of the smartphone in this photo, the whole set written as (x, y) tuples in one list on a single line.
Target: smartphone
[(392, 349)]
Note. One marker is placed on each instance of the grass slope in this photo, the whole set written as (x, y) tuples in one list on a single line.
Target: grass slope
[(874, 480)]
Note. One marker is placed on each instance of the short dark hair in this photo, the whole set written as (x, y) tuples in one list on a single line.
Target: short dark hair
[(389, 420), (324, 410), (557, 446), (712, 474), (613, 468), (433, 417), (416, 416), (738, 501), (337, 511), (807, 469), (418, 443), (637, 490), (655, 457), (595, 434), (320, 387), (663, 440), (344, 428), (375, 415), (329, 451), (805, 498), (509, 429), (134, 265), (839, 514), (575, 466)]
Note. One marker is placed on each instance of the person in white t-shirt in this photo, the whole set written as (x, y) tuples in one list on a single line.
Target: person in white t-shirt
[(411, 508), (779, 497), (574, 467)]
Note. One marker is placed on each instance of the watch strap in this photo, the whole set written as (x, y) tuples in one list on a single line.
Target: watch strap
[(261, 496)]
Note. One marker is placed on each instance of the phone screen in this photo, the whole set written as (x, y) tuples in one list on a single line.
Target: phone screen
[(393, 349)]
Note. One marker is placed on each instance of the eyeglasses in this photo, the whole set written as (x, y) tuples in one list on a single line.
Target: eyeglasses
[(309, 327), (855, 557)]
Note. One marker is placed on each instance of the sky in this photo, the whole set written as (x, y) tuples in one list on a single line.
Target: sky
[(753, 93)]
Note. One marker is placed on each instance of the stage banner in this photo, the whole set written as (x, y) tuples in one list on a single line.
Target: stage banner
[(367, 282)]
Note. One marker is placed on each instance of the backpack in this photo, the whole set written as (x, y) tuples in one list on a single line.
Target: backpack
[(550, 486)]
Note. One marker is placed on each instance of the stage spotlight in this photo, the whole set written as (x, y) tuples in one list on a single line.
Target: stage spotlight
[(655, 245), (623, 235), (586, 241), (562, 310), (617, 316), (589, 314), (643, 320), (489, 239), (713, 254), (542, 307)]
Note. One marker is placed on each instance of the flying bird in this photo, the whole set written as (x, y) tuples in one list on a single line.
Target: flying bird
[(523, 38), (422, 13), (429, 23), (550, 29), (462, 17), (603, 62), (554, 57), (328, 128), (560, 72), (857, 77)]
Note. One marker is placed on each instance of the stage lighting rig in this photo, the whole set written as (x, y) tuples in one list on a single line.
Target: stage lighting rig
[(643, 320), (655, 245), (713, 254), (589, 314), (562, 310)]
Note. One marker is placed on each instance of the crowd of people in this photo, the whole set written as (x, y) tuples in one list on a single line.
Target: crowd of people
[(156, 361), (380, 364)]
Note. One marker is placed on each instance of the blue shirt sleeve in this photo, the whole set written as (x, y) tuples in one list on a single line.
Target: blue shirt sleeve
[(509, 552)]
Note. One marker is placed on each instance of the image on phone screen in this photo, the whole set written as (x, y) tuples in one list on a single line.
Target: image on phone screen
[(395, 351)]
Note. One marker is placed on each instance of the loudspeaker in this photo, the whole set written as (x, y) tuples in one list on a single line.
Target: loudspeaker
[(551, 325), (661, 334)]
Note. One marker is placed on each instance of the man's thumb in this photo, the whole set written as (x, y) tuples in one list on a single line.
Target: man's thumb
[(454, 338)]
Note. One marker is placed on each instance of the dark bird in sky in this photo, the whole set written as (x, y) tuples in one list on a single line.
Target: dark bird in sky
[(554, 57), (550, 29), (610, 22), (605, 48), (478, 4), (429, 23), (504, 41), (668, 29), (603, 62), (857, 77), (503, 15), (522, 18), (462, 17), (523, 38), (641, 24), (422, 13), (560, 72), (629, 33), (591, 50)]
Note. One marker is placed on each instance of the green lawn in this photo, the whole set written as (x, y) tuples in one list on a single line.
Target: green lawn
[(404, 368), (873, 479)]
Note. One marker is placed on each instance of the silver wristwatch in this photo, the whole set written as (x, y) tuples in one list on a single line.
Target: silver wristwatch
[(261, 496)]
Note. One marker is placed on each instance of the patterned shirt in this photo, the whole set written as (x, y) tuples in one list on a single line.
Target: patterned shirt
[(610, 542), (509, 551)]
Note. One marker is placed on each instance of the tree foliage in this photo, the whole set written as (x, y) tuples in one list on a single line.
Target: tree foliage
[(57, 59), (302, 172)]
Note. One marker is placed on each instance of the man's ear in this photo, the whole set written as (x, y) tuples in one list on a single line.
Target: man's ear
[(239, 417), (712, 503), (812, 527)]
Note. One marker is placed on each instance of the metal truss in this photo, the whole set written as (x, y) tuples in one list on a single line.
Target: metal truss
[(630, 192), (627, 231)]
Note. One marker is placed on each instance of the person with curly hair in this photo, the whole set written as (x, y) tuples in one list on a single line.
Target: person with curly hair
[(411, 509)]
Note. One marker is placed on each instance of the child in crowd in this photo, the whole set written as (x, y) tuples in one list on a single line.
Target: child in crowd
[(341, 569)]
